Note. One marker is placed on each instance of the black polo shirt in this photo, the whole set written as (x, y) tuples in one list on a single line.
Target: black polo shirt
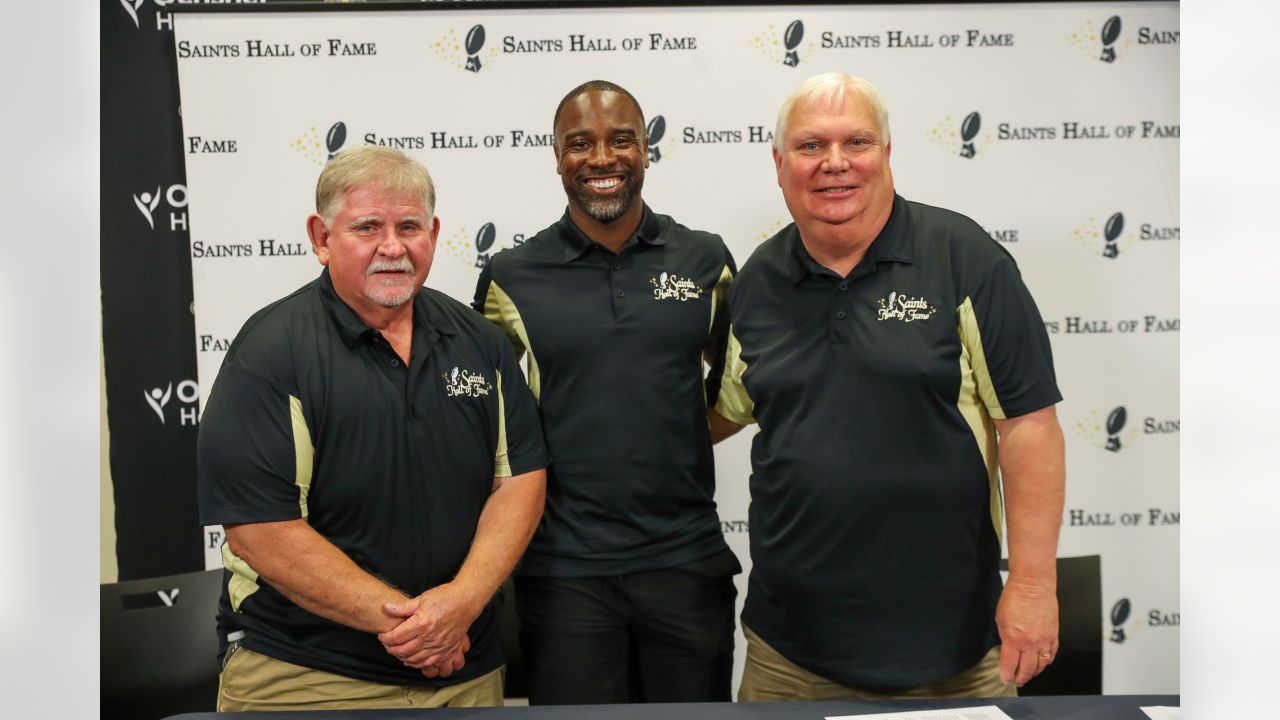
[(615, 346), (314, 415), (876, 510)]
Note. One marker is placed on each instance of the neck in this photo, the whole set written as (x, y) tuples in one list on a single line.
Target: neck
[(612, 234), (840, 248), (394, 323)]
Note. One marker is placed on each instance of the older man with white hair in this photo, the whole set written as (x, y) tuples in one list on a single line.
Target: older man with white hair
[(377, 461), (899, 371)]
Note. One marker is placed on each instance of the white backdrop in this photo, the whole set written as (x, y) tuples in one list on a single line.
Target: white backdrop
[(1074, 168)]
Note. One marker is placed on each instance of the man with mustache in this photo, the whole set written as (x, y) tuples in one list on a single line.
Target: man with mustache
[(377, 463), (901, 378), (626, 592)]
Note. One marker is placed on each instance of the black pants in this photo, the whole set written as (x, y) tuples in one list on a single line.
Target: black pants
[(656, 636)]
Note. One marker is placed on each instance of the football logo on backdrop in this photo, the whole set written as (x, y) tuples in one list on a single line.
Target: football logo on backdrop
[(1115, 423), (963, 137), (1101, 44), (1110, 33), (786, 47), (1107, 239), (790, 40), (968, 131), (1109, 434), (475, 41), (1119, 614), (321, 151), (475, 251), (653, 135), (465, 52)]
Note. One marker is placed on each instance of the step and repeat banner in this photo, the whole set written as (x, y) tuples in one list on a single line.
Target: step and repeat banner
[(1054, 125)]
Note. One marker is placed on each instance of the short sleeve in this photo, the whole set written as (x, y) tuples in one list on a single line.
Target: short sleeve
[(1008, 346), (254, 453), (718, 334), (521, 447), (733, 402)]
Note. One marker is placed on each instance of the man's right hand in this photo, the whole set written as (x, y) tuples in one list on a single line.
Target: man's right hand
[(432, 636)]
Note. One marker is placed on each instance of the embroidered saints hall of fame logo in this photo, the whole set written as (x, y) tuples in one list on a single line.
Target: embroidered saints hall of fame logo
[(899, 306), (668, 286), (464, 383)]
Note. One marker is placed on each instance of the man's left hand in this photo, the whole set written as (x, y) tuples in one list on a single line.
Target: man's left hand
[(1027, 618), (433, 634)]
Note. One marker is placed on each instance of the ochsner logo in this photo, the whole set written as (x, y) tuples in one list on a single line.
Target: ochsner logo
[(164, 20), (176, 196), (131, 7), (187, 392), (309, 144)]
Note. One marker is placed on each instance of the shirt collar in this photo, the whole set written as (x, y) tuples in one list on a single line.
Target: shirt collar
[(893, 244), (576, 243), (427, 316)]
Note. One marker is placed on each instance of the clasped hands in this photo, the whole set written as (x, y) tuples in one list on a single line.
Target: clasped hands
[(432, 633)]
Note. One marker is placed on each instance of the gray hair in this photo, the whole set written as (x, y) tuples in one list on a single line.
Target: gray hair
[(830, 90), (396, 172)]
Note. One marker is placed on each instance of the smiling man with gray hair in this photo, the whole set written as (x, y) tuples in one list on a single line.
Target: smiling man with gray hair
[(377, 461), (899, 372)]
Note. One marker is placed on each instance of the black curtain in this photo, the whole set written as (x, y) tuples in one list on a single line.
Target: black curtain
[(147, 322)]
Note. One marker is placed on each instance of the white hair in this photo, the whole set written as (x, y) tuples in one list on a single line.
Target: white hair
[(830, 90)]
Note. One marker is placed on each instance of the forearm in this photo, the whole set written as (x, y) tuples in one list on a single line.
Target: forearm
[(313, 573), (507, 523), (1033, 467), (720, 426)]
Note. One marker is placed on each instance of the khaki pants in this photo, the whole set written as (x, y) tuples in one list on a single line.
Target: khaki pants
[(769, 677), (252, 681)]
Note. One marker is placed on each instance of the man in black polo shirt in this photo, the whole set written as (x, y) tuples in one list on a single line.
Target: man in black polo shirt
[(377, 462), (626, 592), (894, 361)]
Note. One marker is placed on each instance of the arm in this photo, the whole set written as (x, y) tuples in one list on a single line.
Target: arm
[(721, 427), (1033, 467), (433, 634), (314, 573)]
